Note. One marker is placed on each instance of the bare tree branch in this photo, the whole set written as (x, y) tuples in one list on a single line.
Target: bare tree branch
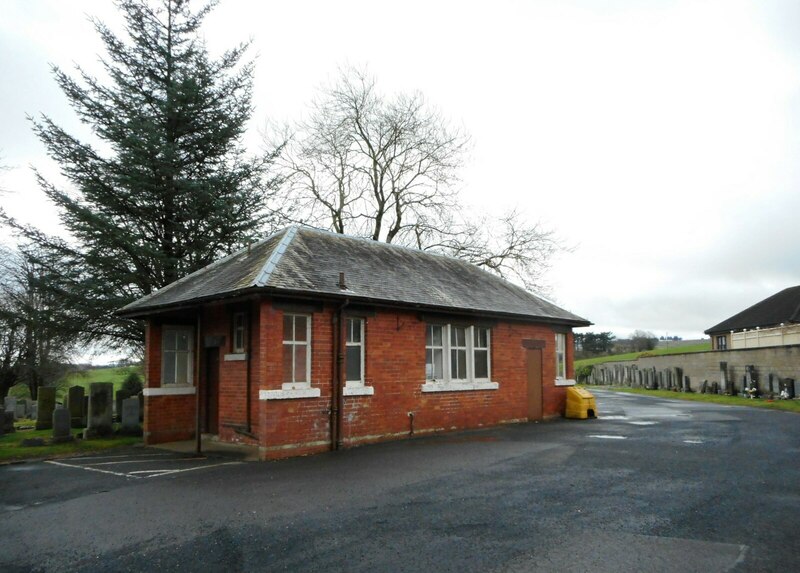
[(385, 168)]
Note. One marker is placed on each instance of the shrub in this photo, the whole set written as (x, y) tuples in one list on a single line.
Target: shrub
[(132, 384), (582, 373)]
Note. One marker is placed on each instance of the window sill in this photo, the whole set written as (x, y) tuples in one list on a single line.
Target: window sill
[(451, 386), (235, 357), (169, 391), (288, 393), (358, 391), (564, 382)]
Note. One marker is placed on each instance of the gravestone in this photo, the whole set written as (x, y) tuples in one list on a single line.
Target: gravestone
[(789, 387), (99, 417), (7, 422), (75, 397), (61, 429), (796, 384), (22, 409), (687, 387), (130, 416), (46, 400), (715, 388), (723, 377), (680, 383), (771, 383), (33, 412), (120, 396), (704, 387), (85, 410), (11, 405)]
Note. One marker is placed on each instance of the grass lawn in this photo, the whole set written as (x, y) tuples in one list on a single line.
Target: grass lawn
[(11, 450), (786, 405), (702, 347)]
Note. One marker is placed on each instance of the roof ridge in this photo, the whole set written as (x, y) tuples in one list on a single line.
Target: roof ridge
[(275, 258)]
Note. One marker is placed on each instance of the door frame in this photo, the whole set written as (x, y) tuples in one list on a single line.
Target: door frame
[(209, 422), (534, 378)]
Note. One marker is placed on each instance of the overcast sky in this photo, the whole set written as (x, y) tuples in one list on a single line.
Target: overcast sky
[(660, 139)]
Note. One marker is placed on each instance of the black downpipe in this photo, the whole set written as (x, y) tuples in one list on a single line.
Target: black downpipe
[(198, 448), (336, 394)]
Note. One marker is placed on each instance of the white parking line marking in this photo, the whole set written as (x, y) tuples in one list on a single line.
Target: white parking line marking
[(137, 461), (139, 474), (643, 423), (615, 417), (692, 441), (89, 469), (122, 456), (607, 437), (196, 468)]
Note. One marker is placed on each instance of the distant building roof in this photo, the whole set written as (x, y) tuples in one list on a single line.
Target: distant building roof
[(783, 307), (303, 261)]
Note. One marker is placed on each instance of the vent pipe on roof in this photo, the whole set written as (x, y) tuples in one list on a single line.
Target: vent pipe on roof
[(342, 284)]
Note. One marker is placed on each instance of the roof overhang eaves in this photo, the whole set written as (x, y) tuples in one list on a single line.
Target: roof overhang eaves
[(315, 295)]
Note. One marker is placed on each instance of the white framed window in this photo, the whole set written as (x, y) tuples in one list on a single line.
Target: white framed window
[(457, 357), (434, 352), (296, 351), (722, 342), (354, 352), (177, 356), (561, 356), (480, 353), (239, 332)]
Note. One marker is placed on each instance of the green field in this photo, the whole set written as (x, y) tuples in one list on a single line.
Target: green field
[(702, 347), (785, 405), (114, 374)]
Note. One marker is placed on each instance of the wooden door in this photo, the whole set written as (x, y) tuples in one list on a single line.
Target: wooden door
[(533, 358), (211, 414)]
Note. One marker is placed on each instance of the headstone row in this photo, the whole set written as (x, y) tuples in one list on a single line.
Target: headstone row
[(93, 412)]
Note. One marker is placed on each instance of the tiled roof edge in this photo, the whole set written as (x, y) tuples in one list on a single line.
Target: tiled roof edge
[(146, 298), (275, 257)]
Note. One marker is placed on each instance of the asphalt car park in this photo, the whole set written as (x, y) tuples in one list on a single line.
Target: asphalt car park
[(652, 485)]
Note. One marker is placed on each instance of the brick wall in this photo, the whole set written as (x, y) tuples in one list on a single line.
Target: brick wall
[(232, 401), (166, 418), (394, 347), (395, 367)]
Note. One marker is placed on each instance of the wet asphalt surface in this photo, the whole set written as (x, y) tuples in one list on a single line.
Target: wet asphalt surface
[(653, 485)]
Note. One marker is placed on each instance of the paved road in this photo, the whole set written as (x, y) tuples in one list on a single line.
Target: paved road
[(654, 485)]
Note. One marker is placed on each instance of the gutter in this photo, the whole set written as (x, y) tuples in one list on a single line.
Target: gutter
[(332, 297)]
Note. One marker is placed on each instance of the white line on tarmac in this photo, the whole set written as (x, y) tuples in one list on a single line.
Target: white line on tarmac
[(150, 472), (89, 469), (121, 456), (136, 461), (195, 468), (606, 437)]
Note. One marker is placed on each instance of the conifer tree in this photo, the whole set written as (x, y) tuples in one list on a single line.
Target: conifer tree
[(166, 187)]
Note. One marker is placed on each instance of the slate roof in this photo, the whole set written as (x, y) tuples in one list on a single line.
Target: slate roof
[(782, 307), (303, 261)]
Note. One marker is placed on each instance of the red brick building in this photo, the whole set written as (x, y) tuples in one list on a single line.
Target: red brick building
[(309, 341)]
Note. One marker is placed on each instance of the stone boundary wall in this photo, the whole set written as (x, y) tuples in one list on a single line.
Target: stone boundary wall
[(771, 367)]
